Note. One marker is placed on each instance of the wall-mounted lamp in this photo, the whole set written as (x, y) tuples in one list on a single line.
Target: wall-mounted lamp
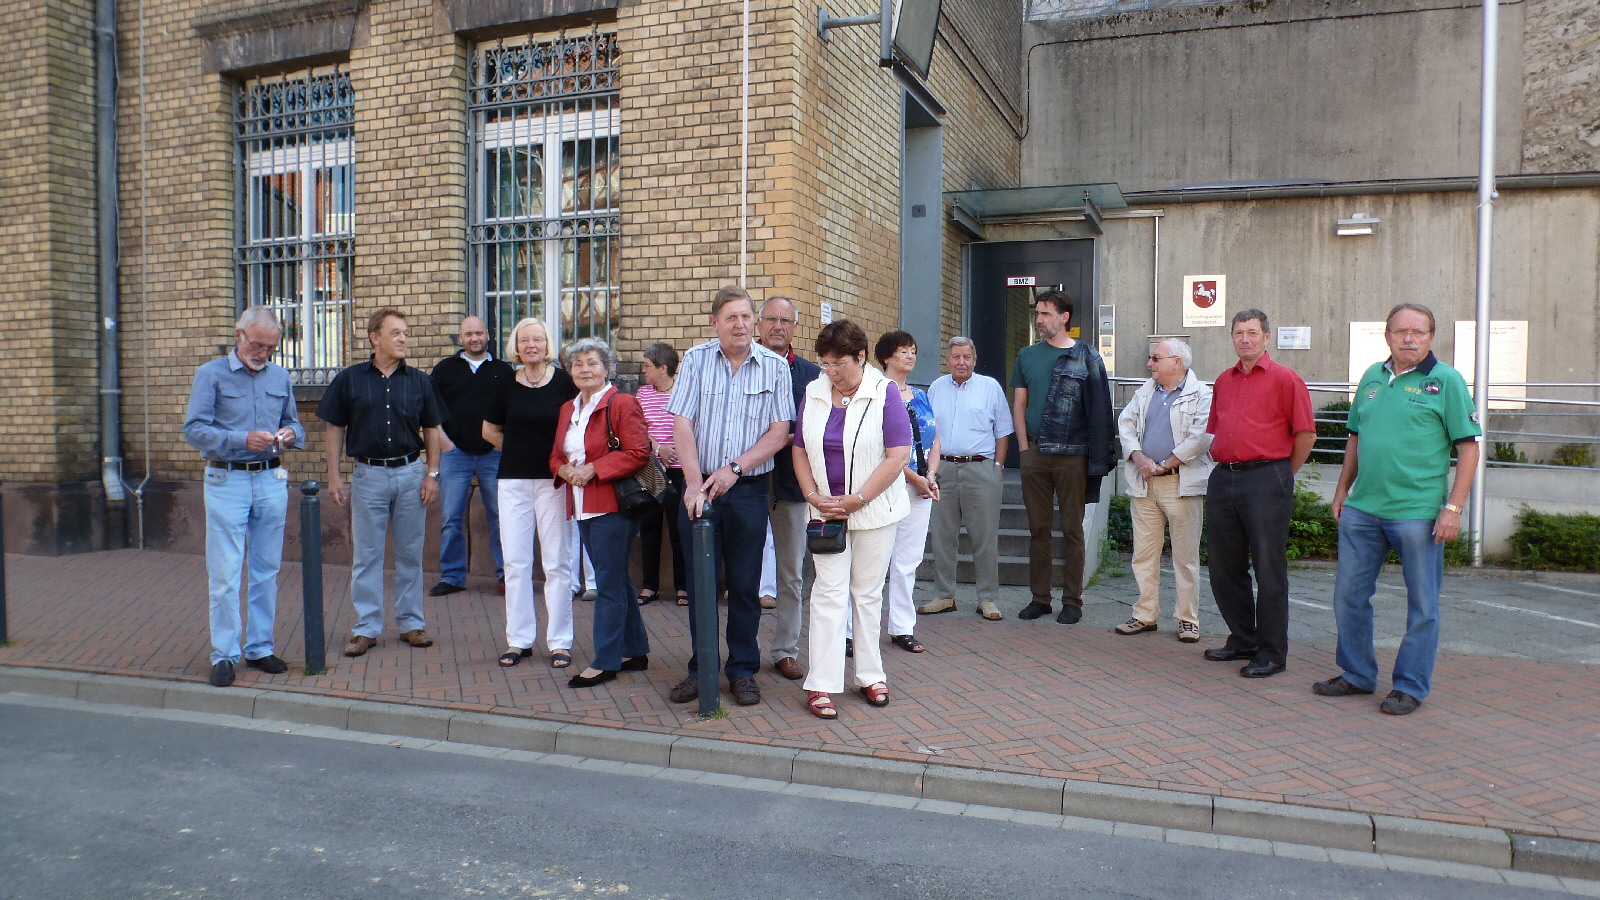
[(1358, 224)]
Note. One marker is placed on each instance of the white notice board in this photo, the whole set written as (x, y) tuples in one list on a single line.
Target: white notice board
[(1508, 359), (1367, 346)]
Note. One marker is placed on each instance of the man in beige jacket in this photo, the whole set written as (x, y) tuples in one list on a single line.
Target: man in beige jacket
[(1166, 464)]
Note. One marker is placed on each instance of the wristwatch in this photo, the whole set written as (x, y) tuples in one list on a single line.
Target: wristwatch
[(738, 470), (434, 475), (1452, 507)]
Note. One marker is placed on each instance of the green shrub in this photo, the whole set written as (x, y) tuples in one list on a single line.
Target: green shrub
[(1568, 543), (1119, 524), (1331, 434), (1580, 455), (1313, 532), (1505, 452)]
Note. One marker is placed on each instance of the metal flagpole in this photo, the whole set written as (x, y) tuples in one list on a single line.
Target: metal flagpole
[(1486, 195)]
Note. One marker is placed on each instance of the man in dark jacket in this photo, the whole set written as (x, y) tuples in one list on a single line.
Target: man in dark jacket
[(468, 381), (1061, 407)]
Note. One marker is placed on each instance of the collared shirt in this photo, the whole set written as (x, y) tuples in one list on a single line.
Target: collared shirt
[(227, 402), (971, 415), (731, 410), (572, 444), (1255, 416), (382, 414), (1158, 442), (1407, 424)]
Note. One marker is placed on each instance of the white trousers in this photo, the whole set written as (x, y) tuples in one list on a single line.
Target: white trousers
[(910, 540), (532, 508), (848, 582), (578, 558)]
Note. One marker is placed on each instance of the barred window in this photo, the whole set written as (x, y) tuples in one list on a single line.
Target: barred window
[(544, 217), (296, 222)]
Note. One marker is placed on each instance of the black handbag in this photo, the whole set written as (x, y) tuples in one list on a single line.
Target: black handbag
[(825, 536), (644, 493)]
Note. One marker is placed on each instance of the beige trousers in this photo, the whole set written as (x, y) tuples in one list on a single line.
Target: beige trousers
[(1161, 506)]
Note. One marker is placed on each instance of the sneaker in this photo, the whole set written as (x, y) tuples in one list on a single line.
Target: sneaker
[(1399, 703), (1336, 686), (269, 664), (1134, 626), (222, 673), (1071, 615), (1188, 632)]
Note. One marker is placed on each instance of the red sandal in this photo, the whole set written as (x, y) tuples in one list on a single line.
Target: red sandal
[(821, 705), (876, 694)]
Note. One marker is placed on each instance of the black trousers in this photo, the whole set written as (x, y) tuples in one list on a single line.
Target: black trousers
[(650, 542), (1247, 526)]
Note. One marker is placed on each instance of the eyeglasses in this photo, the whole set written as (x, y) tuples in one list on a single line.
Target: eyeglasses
[(829, 367), (1154, 358), (255, 347), (1410, 333), (779, 320)]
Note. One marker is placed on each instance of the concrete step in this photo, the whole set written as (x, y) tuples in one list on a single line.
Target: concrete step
[(1013, 570)]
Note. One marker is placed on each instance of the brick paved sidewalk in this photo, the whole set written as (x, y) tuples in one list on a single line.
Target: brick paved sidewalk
[(1502, 742)]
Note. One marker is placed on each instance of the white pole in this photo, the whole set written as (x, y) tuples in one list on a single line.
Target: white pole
[(744, 142), (1486, 195)]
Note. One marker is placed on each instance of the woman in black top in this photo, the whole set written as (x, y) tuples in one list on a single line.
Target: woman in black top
[(521, 423)]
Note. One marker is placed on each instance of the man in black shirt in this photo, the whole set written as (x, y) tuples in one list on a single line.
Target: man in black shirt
[(468, 382), (385, 414)]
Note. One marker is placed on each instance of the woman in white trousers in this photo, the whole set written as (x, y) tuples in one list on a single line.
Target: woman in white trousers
[(521, 423)]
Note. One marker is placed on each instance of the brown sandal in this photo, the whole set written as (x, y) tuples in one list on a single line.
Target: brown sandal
[(821, 705), (876, 694)]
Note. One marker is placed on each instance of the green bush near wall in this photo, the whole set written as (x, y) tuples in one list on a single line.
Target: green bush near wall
[(1568, 543)]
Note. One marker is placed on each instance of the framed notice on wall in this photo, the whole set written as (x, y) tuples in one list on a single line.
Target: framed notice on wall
[(1367, 346), (1205, 301), (1508, 358)]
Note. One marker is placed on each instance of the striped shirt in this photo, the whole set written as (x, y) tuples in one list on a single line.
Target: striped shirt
[(730, 410), (656, 418)]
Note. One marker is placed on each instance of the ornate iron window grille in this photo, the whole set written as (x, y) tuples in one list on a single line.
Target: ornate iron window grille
[(295, 249), (544, 222)]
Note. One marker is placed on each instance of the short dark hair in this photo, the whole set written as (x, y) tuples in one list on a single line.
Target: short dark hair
[(1245, 315), (376, 320), (728, 294), (1413, 307), (662, 353), (890, 343), (841, 338), (1058, 299)]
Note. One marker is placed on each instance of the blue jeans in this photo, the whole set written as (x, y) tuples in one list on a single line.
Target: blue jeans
[(618, 627), (381, 498), (1364, 541), (244, 525), (739, 535), (455, 488)]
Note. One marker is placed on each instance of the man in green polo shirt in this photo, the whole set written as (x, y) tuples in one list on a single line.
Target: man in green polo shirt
[(1408, 412)]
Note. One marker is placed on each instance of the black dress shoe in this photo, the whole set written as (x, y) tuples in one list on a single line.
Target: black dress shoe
[(1260, 668), (637, 664), (578, 681), (1399, 703), (1069, 615), (1034, 610), (1228, 654), (269, 664), (222, 673), (445, 587), (849, 648)]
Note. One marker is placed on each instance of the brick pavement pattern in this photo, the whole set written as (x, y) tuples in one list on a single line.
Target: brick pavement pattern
[(1508, 743)]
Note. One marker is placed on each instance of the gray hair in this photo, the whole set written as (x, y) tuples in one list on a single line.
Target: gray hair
[(1180, 349), (258, 315), (589, 345), (961, 340), (780, 298), (1411, 307)]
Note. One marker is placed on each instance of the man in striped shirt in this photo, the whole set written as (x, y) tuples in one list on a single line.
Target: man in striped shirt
[(732, 407)]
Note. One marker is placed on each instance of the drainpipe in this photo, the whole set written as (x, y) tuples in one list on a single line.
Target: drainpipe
[(105, 58)]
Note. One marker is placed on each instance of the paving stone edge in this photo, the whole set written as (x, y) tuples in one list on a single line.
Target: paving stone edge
[(1380, 833)]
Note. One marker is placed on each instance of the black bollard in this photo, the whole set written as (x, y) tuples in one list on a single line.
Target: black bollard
[(705, 616), (5, 636), (311, 576)]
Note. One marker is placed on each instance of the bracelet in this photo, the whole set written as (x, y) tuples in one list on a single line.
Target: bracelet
[(814, 494), (861, 498)]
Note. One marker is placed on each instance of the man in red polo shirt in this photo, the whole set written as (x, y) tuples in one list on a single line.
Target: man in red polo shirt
[(1262, 431)]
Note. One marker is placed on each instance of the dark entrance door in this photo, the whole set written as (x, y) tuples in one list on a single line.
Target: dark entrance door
[(1006, 277)]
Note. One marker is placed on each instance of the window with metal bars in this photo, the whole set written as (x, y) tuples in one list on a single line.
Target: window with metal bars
[(296, 218), (544, 218)]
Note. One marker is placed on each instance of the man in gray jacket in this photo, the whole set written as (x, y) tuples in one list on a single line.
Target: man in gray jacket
[(1166, 462)]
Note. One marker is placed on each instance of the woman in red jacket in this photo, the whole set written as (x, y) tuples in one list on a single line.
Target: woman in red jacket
[(583, 458)]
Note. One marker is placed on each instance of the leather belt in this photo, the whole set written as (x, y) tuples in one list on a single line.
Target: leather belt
[(1251, 464), (751, 479), (258, 466), (959, 459), (393, 462)]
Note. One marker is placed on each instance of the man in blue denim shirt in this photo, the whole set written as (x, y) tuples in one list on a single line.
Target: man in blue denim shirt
[(241, 417), (1061, 405)]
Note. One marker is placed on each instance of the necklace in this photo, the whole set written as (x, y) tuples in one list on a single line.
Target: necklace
[(544, 370), (844, 398)]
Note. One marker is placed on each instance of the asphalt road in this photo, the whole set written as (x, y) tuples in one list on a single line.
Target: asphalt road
[(134, 804)]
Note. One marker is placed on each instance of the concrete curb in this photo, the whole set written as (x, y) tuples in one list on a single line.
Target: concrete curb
[(1223, 816)]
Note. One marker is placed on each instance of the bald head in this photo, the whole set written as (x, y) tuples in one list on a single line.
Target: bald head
[(474, 337)]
